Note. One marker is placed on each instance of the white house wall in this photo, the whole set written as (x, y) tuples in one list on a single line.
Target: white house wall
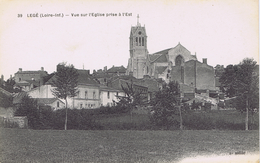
[(108, 100), (87, 100), (44, 91)]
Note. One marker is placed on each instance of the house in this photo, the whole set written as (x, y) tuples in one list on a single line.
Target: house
[(103, 76), (127, 81), (30, 75), (87, 92), (54, 103), (26, 85), (108, 95), (117, 71)]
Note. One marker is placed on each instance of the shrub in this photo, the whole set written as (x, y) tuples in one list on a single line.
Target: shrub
[(78, 119), (164, 118), (198, 122)]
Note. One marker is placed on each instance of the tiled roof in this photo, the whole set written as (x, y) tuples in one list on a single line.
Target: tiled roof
[(32, 72), (27, 83), (18, 97), (47, 100), (120, 69), (106, 88), (22, 83), (5, 92), (36, 83), (124, 77), (83, 79)]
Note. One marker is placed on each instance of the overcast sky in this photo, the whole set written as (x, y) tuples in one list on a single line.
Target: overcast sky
[(224, 31)]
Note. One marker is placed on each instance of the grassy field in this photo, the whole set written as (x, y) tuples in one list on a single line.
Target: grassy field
[(21, 145)]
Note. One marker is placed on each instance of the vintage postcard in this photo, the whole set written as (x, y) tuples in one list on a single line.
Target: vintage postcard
[(151, 42)]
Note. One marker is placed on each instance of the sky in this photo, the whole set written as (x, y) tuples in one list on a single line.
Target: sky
[(223, 31)]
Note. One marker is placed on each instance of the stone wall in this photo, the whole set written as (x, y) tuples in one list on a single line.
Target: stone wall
[(15, 122)]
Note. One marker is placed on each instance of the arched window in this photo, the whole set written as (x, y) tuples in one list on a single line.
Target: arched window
[(179, 60)]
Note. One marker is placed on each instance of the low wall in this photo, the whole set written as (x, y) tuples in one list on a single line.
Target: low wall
[(14, 122)]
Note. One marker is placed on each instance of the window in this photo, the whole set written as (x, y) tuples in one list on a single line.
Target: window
[(108, 95), (179, 60), (139, 41), (136, 41), (86, 94), (80, 106), (94, 95), (58, 104), (142, 41), (78, 94), (20, 79)]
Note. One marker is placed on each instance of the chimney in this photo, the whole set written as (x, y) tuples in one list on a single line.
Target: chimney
[(42, 68), (11, 77), (2, 77), (20, 69), (205, 60), (105, 68), (59, 66)]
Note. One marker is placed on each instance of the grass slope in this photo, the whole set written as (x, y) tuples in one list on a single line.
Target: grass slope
[(19, 145)]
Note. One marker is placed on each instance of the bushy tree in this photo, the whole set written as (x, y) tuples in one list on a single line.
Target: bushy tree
[(132, 99), (5, 100), (29, 108), (166, 104), (242, 81), (65, 83)]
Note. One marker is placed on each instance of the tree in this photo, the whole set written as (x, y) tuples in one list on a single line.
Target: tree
[(65, 83), (242, 81), (29, 108), (5, 100), (167, 103), (133, 98)]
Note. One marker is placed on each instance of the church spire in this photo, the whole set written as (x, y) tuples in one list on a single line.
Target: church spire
[(138, 24)]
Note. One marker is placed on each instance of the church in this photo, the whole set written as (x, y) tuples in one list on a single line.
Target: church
[(170, 64)]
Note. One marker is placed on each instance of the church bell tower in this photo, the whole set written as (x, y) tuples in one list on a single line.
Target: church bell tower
[(138, 50)]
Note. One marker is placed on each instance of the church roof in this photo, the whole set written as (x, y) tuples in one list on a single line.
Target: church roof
[(163, 51)]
